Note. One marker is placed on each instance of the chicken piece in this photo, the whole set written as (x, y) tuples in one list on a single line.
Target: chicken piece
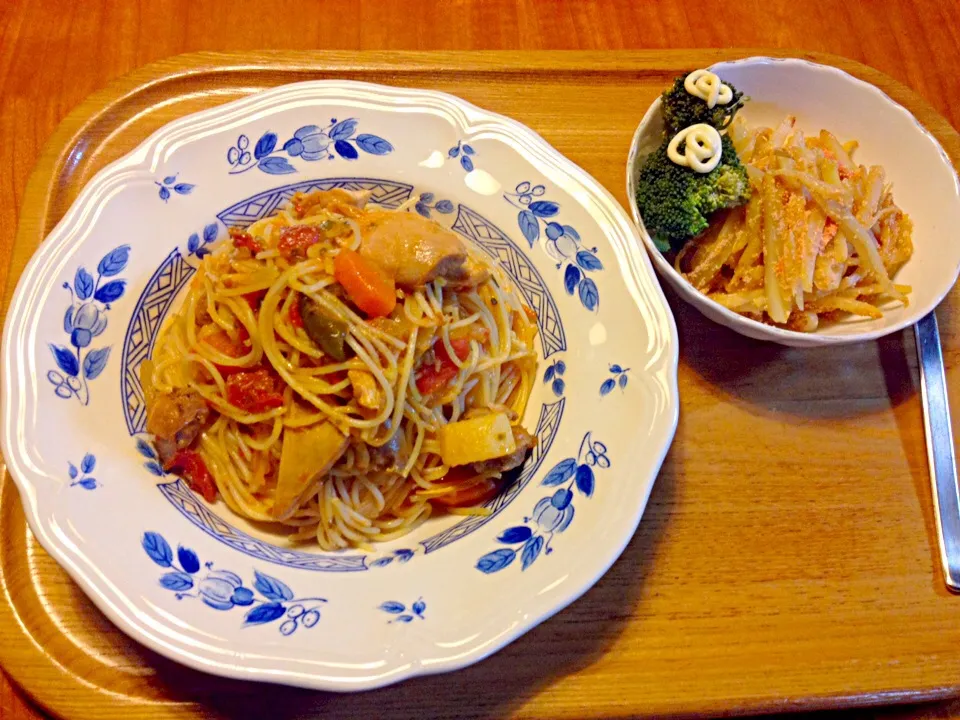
[(175, 419), (472, 274), (525, 443), (412, 249), (308, 453), (364, 389), (335, 200)]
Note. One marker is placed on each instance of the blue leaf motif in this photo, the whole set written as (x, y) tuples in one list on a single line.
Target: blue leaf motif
[(466, 163), (558, 387), (571, 278), (561, 472), (66, 360), (561, 367), (616, 369), (588, 261), (154, 467), (111, 292), (202, 253), (88, 483), (570, 232), (544, 208), (169, 179), (497, 560), (403, 555), (146, 449), (405, 618), (426, 197), (607, 386), (418, 607), (271, 588), (589, 295), (531, 551), (276, 166), (157, 548), (549, 373), (623, 381), (188, 559), (183, 188), (193, 243), (453, 152), (95, 362), (83, 284), (73, 471), (444, 206), (381, 562), (343, 129), (468, 150), (265, 145), (394, 608), (422, 209), (373, 144), (585, 480), (514, 535), (265, 613), (529, 226), (68, 320), (176, 581), (346, 150), (114, 261), (164, 194), (88, 463), (209, 233)]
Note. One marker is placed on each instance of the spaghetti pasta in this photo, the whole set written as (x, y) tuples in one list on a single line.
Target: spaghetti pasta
[(328, 358)]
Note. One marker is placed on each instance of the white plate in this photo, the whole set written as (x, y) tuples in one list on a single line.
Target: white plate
[(203, 587), (925, 184)]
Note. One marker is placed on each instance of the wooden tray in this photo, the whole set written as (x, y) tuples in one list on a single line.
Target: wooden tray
[(786, 560)]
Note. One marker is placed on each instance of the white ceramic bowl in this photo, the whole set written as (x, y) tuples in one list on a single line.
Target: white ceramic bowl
[(203, 587), (925, 184)]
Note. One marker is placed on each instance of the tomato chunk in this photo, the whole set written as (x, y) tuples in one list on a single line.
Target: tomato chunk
[(254, 391), (295, 240), (190, 466), (243, 239), (222, 342), (435, 376)]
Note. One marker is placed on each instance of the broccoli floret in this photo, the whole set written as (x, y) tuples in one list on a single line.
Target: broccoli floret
[(675, 201), (680, 109)]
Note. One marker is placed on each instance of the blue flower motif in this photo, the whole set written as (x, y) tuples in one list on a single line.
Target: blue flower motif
[(426, 203), (563, 242), (85, 319), (400, 612), (84, 325), (620, 378), (466, 158), (552, 514), (224, 590), (310, 143)]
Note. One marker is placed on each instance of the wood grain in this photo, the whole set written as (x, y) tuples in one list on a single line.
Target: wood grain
[(791, 552)]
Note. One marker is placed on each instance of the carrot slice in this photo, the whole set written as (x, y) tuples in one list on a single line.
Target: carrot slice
[(367, 286)]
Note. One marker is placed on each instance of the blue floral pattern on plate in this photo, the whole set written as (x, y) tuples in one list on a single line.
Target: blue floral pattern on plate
[(269, 600), (170, 184), (563, 242), (310, 143), (426, 203), (400, 612), (465, 152), (620, 378), (552, 514), (82, 477), (197, 243), (84, 320), (554, 375)]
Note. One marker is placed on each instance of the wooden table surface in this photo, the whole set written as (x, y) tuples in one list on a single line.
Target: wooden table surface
[(54, 53)]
